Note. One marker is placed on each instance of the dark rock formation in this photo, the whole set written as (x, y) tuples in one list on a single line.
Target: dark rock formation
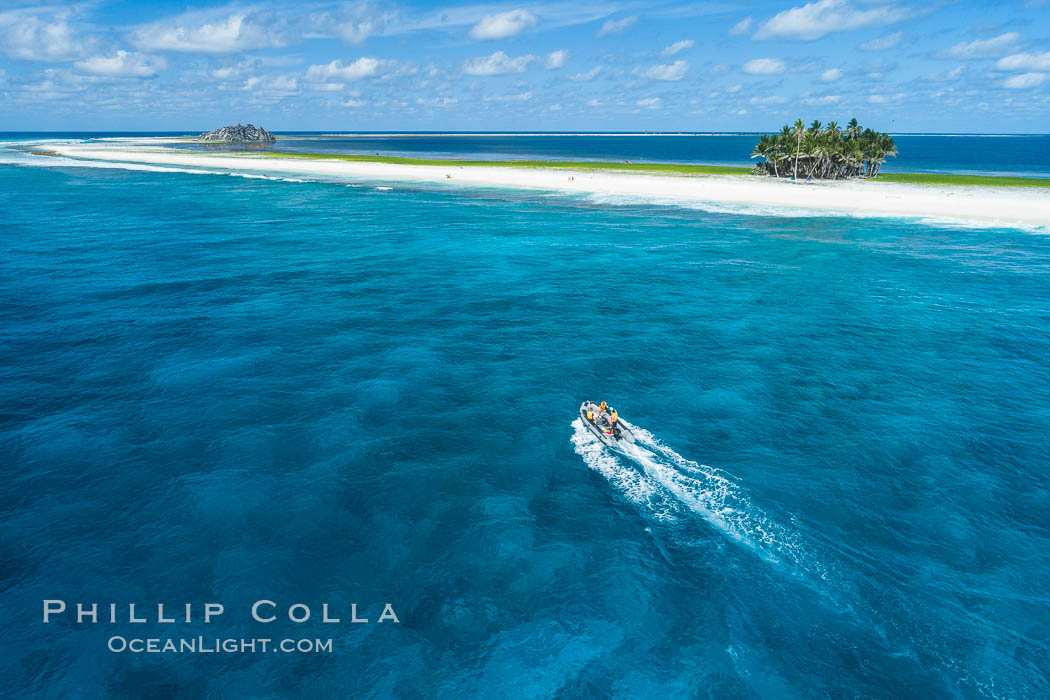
[(239, 134)]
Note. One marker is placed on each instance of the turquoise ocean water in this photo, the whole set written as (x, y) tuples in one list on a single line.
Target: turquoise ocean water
[(228, 388)]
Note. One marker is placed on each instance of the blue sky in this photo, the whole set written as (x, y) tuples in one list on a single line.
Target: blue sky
[(587, 65)]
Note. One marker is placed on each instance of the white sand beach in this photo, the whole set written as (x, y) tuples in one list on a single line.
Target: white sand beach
[(981, 205)]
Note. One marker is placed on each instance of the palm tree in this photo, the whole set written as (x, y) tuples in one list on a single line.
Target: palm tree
[(884, 148), (831, 152), (763, 149), (852, 129), (798, 129), (875, 158), (854, 157), (814, 154)]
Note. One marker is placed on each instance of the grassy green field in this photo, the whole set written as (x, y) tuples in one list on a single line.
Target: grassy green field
[(669, 168), (964, 180), (675, 168)]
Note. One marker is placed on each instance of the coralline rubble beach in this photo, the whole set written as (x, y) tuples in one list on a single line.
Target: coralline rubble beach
[(239, 134)]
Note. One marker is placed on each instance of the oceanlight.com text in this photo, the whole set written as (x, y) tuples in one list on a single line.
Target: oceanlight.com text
[(216, 645)]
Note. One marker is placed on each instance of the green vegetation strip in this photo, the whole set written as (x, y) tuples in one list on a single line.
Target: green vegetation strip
[(674, 168), (965, 180), (677, 168)]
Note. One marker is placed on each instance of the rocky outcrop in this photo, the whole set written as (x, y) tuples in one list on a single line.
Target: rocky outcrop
[(239, 134)]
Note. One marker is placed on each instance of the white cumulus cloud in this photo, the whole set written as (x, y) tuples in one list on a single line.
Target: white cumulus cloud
[(274, 86), (982, 48), (497, 63), (678, 47), (123, 64), (284, 82), (556, 59), (352, 22), (503, 25), (237, 70), (881, 43), (55, 85), (589, 75), (356, 32), (649, 103), (765, 66), (364, 67), (823, 100), (878, 99), (205, 33), (613, 26), (668, 71), (953, 74), (519, 97), (437, 101), (1025, 61), (1025, 81), (38, 36), (831, 75), (815, 19), (741, 27)]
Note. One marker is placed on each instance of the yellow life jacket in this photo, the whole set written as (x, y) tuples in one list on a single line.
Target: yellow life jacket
[(614, 417), (590, 415)]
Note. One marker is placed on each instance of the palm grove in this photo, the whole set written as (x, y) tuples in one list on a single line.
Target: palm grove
[(827, 152)]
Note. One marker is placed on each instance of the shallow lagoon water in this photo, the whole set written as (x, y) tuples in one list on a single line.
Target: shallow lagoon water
[(222, 388)]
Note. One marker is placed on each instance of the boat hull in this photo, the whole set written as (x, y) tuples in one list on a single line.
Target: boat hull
[(602, 432)]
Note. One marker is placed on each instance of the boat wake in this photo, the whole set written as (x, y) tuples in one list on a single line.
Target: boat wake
[(669, 487), (631, 483)]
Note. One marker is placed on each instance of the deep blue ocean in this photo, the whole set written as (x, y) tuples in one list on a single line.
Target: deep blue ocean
[(220, 388)]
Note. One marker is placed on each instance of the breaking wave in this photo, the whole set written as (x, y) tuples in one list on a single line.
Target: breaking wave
[(20, 157)]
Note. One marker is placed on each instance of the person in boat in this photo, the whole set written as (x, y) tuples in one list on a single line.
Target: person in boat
[(602, 419), (590, 414), (614, 422)]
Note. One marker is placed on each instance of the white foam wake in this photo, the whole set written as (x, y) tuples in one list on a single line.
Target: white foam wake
[(670, 486), (717, 497), (629, 481), (678, 487)]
